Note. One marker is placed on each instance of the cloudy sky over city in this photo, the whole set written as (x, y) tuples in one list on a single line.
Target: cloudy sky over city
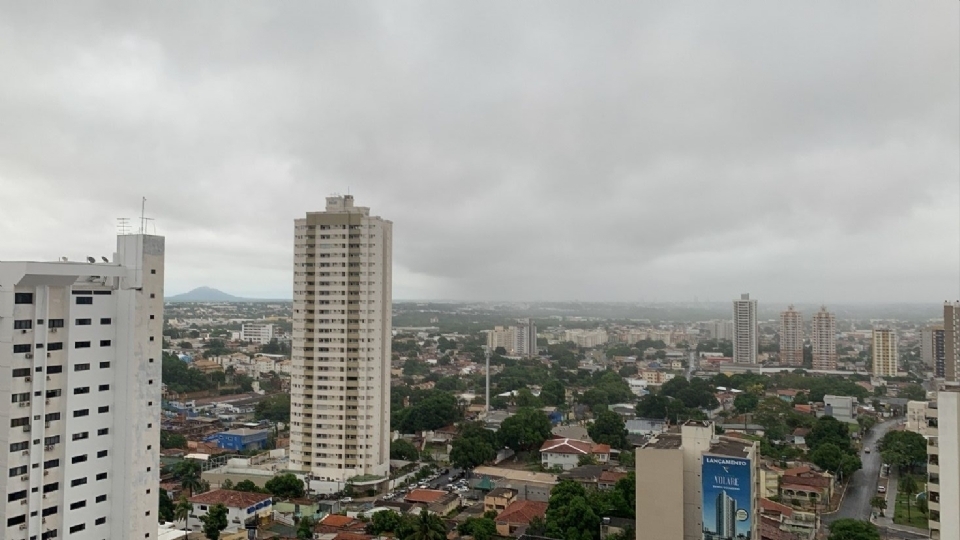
[(634, 151)]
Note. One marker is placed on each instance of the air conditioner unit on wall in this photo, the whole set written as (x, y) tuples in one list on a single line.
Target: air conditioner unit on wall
[(28, 355)]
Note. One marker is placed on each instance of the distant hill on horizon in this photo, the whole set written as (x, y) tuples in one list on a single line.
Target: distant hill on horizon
[(209, 294)]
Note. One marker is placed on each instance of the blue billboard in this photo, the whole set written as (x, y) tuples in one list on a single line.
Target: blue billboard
[(727, 498)]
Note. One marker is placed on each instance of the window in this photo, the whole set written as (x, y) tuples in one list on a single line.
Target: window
[(152, 317), (22, 298), (84, 322), (102, 476), (49, 512), (104, 365), (17, 422), (105, 320), (51, 464), (100, 521), (39, 322), (78, 459), (102, 453), (22, 348), (82, 390), (17, 496), (54, 369), (55, 346), (19, 446), (51, 417), (17, 520), (103, 409), (81, 345), (78, 482), (153, 270), (104, 387), (84, 300), (103, 293), (82, 526), (24, 324), (151, 338), (81, 367), (55, 323), (51, 487), (81, 436), (81, 412), (48, 441), (18, 471), (101, 498), (21, 372), (104, 342), (19, 398), (103, 431), (87, 293)]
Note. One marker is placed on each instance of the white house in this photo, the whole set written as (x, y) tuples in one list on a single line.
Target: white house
[(241, 506), (565, 453)]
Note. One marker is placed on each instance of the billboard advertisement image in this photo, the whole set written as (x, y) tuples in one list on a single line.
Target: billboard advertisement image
[(727, 494)]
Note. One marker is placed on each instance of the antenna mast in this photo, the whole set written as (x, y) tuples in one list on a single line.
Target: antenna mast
[(143, 224)]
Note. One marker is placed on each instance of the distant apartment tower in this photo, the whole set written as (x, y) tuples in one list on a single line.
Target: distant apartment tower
[(518, 340), (884, 352), (791, 337), (823, 340), (932, 349), (951, 341), (697, 485), (943, 464), (720, 330), (257, 333), (586, 338), (745, 330), (80, 348), (342, 299)]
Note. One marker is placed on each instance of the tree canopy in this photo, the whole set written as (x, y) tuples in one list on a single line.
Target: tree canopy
[(474, 446), (404, 450), (905, 449), (434, 410), (852, 529), (569, 515), (275, 408), (608, 428), (524, 431), (285, 486)]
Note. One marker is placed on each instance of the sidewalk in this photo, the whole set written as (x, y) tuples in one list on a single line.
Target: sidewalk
[(893, 482)]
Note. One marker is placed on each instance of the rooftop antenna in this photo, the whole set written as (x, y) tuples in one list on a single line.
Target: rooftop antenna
[(123, 226), (143, 206)]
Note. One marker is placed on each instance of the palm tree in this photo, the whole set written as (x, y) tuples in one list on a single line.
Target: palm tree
[(880, 503), (182, 511), (909, 487), (189, 473), (428, 527)]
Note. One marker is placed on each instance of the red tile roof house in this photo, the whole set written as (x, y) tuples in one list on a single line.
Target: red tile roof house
[(517, 515), (609, 479), (241, 506), (565, 453), (335, 523)]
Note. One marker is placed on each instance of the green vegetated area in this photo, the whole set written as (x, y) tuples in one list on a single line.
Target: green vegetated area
[(183, 379)]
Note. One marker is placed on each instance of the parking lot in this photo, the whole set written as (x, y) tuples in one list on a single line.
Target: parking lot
[(451, 480)]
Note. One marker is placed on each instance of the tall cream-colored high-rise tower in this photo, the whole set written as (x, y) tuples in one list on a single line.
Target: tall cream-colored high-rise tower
[(342, 299), (884, 352), (951, 342), (791, 337), (824, 340), (745, 330)]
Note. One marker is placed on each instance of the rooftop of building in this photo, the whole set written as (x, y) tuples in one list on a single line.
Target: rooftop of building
[(244, 432), (522, 512), (732, 447), (664, 441), (424, 495), (502, 492), (230, 498)]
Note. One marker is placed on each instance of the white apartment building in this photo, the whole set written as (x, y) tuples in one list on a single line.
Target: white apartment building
[(257, 333), (518, 340), (791, 337), (342, 300), (745, 330), (720, 330), (823, 340), (943, 465), (80, 351), (951, 342), (586, 338), (884, 352)]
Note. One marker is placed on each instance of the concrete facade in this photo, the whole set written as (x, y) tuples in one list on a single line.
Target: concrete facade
[(745, 341), (257, 332), (342, 304), (943, 465), (80, 344), (885, 359), (823, 340), (791, 338), (951, 341)]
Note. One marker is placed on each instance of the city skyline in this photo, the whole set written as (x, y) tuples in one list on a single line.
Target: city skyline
[(651, 152)]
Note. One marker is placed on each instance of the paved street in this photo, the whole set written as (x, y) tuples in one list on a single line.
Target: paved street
[(863, 486)]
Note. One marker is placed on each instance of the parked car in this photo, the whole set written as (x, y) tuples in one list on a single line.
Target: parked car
[(347, 499), (881, 489)]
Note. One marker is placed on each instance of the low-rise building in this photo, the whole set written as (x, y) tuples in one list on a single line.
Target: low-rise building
[(565, 453), (518, 515), (498, 499), (843, 408), (241, 506), (241, 439)]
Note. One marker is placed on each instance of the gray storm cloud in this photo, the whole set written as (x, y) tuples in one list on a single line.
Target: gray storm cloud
[(534, 151)]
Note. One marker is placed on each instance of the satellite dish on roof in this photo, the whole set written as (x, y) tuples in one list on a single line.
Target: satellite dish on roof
[(91, 260), (106, 260)]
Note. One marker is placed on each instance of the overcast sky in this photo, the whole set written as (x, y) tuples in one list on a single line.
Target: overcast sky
[(800, 151)]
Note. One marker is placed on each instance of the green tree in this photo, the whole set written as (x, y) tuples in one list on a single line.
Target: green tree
[(913, 392), (904, 449), (537, 526), (404, 450), (653, 406), (526, 430), (182, 511), (474, 446), (909, 487), (879, 503), (608, 428), (249, 486), (479, 528), (305, 528), (746, 402), (435, 410), (275, 408), (165, 508), (852, 529), (427, 527), (285, 486), (827, 456), (172, 440), (627, 459), (587, 459), (214, 521), (383, 522), (188, 472), (569, 516), (828, 429), (553, 394), (525, 398)]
